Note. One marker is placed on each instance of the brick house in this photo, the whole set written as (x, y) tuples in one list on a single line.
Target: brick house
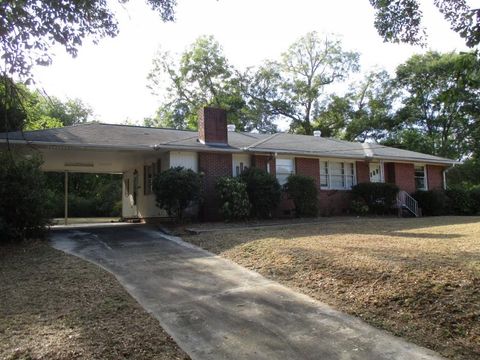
[(138, 153)]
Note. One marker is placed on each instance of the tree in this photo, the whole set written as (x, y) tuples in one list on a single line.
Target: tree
[(440, 104), (293, 86), (264, 192), (29, 29), (201, 77), (365, 112), (401, 20)]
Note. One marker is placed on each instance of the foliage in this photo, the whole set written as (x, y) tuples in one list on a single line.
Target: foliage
[(440, 104), (432, 202), (29, 29), (24, 109), (466, 175), (201, 77), (366, 111), (304, 193), (263, 190), (379, 197), (233, 197), (359, 207), (22, 209), (401, 21), (175, 189), (460, 201), (293, 86), (90, 195)]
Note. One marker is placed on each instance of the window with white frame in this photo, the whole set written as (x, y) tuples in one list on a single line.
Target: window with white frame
[(284, 168), (420, 177), (337, 175)]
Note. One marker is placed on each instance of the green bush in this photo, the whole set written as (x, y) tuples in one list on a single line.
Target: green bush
[(475, 196), (304, 193), (263, 190), (379, 197), (23, 213), (460, 201), (359, 207), (233, 198), (175, 189), (432, 202)]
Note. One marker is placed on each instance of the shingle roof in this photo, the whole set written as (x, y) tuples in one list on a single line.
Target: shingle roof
[(125, 136)]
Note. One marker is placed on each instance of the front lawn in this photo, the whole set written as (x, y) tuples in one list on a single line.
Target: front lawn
[(56, 306), (417, 278)]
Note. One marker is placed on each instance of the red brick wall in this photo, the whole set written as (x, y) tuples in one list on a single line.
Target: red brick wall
[(212, 125), (389, 174), (334, 202), (213, 166), (435, 177), (405, 177), (260, 162), (308, 167), (363, 172)]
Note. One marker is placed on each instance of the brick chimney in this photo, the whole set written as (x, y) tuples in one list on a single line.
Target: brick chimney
[(212, 126)]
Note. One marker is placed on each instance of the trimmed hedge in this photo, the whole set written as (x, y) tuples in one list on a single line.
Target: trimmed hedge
[(303, 191), (263, 190), (379, 197), (233, 198), (432, 202), (176, 189)]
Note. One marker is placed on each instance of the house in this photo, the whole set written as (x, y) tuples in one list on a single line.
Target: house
[(217, 150)]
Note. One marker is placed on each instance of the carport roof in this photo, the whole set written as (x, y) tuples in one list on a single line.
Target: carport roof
[(98, 135)]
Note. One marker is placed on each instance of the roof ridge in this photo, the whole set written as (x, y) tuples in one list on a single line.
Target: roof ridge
[(262, 141)]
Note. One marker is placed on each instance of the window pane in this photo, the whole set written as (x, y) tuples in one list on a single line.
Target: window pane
[(324, 180), (348, 181), (336, 168), (337, 181)]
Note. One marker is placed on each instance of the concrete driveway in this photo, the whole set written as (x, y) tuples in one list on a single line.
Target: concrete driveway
[(215, 309)]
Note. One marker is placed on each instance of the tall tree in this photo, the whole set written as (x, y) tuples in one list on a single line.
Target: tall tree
[(292, 86), (440, 105), (202, 76), (401, 20)]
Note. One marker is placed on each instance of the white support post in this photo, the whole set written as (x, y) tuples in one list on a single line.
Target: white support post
[(66, 197)]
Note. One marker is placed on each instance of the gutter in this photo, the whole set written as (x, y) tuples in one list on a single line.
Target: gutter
[(444, 174), (224, 149)]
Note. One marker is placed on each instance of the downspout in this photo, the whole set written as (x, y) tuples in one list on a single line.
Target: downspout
[(444, 172)]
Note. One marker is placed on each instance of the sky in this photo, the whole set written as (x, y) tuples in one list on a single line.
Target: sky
[(111, 76)]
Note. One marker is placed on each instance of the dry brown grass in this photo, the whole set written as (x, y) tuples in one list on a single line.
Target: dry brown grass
[(56, 306), (418, 278)]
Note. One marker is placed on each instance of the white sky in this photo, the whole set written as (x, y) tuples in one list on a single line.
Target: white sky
[(111, 76)]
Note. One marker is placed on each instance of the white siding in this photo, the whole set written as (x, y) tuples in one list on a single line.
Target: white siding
[(188, 160), (239, 163)]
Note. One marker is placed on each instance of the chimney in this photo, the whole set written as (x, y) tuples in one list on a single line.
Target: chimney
[(212, 126)]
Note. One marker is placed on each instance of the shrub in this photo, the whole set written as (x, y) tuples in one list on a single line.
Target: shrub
[(432, 203), (359, 207), (460, 201), (303, 191), (263, 190), (475, 196), (379, 197), (23, 213), (175, 189), (233, 198)]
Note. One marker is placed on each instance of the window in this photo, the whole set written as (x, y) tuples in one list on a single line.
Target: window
[(284, 168), (337, 175), (420, 177), (149, 172)]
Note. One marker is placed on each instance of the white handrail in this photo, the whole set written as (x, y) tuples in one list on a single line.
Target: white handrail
[(405, 200)]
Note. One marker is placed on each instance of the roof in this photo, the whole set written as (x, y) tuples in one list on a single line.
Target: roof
[(98, 135)]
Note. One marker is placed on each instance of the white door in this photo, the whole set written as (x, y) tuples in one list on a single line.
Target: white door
[(375, 172)]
